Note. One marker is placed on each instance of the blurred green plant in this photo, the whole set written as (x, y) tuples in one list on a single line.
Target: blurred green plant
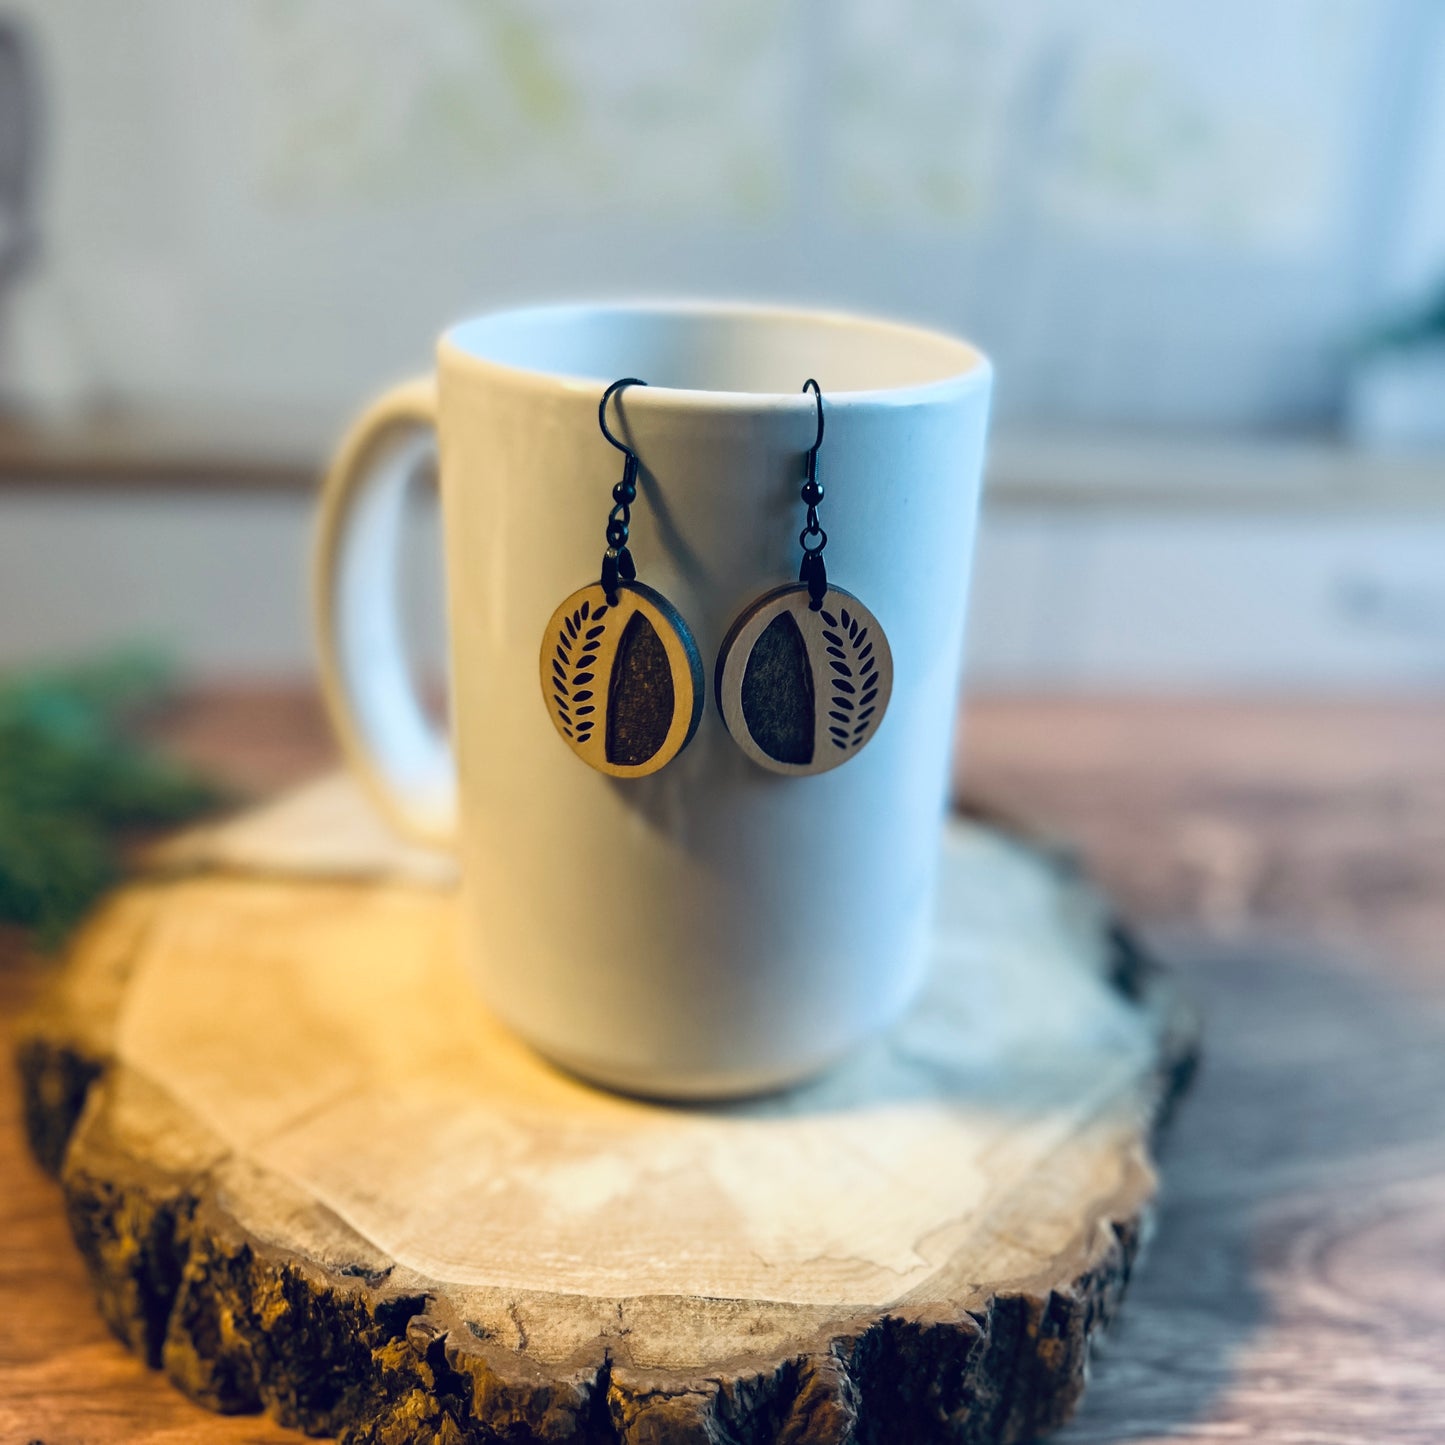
[(74, 778)]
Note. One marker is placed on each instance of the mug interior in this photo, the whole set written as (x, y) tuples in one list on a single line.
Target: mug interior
[(717, 348)]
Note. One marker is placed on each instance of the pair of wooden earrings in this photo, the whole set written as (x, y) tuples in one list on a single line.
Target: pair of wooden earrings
[(802, 678)]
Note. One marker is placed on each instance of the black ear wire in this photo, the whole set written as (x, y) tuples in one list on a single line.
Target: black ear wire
[(602, 412), (813, 571), (617, 563)]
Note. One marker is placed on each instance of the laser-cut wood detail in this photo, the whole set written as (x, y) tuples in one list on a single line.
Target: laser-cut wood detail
[(802, 691), (622, 682)]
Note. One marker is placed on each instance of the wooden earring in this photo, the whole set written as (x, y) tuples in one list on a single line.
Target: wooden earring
[(621, 674), (804, 675)]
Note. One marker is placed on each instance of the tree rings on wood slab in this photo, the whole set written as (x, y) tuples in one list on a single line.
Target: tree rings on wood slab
[(622, 682), (800, 690)]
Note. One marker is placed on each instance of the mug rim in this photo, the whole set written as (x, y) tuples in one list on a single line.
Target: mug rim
[(974, 370)]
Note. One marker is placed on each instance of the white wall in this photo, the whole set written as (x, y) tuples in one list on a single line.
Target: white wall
[(1146, 212)]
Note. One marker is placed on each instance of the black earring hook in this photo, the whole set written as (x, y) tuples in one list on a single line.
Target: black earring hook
[(617, 563), (813, 538), (602, 411), (811, 385)]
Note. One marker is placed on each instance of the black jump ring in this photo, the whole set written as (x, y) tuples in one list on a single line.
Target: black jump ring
[(812, 532)]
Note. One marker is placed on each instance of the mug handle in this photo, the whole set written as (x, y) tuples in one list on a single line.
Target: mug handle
[(402, 760)]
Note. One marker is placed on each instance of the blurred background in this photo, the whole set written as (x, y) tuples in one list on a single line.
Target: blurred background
[(1204, 244)]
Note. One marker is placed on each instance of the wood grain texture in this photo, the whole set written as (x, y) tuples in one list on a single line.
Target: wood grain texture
[(1289, 857), (369, 1210)]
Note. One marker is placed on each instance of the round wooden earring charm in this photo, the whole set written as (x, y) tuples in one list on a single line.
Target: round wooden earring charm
[(622, 680), (802, 689), (621, 674)]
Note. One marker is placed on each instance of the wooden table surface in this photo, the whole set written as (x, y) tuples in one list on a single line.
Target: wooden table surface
[(1289, 858)]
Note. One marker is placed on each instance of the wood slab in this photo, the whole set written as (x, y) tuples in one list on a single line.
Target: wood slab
[(309, 1175)]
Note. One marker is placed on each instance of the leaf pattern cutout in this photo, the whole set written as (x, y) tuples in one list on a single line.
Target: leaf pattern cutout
[(853, 704), (573, 659)]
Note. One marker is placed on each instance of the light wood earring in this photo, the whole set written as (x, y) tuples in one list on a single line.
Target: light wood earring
[(804, 674), (621, 673)]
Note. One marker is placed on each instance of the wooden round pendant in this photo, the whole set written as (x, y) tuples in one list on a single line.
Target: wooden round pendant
[(622, 683), (802, 691)]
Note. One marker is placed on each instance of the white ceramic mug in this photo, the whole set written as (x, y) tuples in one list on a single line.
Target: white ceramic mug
[(714, 929)]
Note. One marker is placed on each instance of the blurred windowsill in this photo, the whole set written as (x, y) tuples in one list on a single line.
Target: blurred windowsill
[(1052, 470), (1029, 469), (189, 450)]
